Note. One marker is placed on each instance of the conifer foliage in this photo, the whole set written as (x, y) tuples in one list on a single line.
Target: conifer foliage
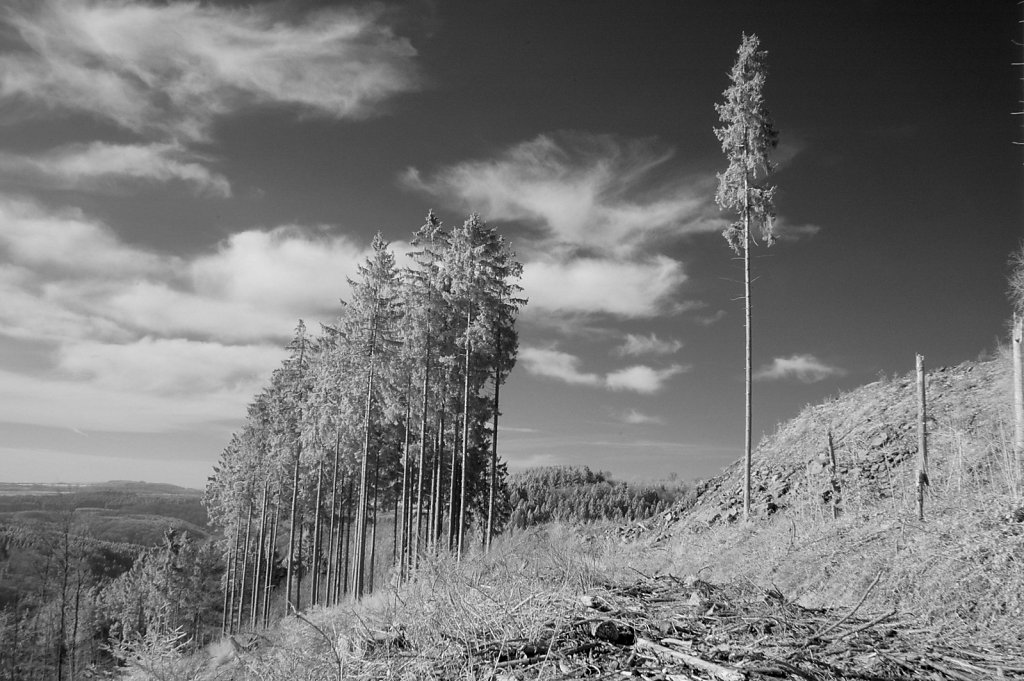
[(375, 442)]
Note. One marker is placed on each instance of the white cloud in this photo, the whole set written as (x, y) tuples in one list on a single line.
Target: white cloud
[(642, 379), (97, 164), (565, 367), (69, 241), (588, 191), (555, 364), (636, 418), (287, 268), (175, 67), (648, 345), (145, 341), (622, 288), (786, 231), (804, 368), (170, 366)]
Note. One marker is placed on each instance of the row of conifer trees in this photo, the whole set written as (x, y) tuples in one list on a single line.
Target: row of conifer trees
[(390, 410)]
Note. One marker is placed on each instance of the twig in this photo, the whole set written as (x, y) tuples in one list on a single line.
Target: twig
[(867, 625), (849, 614)]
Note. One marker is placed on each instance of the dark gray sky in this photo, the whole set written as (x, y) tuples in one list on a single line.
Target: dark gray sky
[(179, 183)]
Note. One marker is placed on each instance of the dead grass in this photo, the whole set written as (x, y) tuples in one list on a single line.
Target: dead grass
[(957, 577)]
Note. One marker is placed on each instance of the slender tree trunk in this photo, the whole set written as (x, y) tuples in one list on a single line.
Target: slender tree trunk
[(420, 482), (452, 496), (465, 447), (493, 483), (748, 404), (332, 562), (228, 586), (245, 568), (271, 551), (232, 575), (438, 486), (1017, 340), (833, 471), (402, 525), (348, 535), (292, 534), (258, 570), (298, 561), (314, 579), (374, 514), (922, 438), (364, 470)]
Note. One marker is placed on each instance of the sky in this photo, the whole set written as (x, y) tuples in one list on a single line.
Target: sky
[(181, 182)]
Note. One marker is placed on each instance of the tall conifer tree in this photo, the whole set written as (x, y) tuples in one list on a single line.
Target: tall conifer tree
[(747, 136)]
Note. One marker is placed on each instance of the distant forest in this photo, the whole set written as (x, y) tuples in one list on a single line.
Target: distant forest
[(85, 570), (580, 495)]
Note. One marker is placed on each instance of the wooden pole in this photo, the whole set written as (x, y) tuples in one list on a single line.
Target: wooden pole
[(1018, 385), (834, 475), (922, 438)]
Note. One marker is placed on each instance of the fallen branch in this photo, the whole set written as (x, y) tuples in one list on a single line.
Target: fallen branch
[(849, 614), (723, 673)]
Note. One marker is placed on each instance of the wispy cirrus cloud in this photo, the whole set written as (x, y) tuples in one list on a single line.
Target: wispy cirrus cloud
[(173, 68), (635, 344), (563, 366), (580, 190), (99, 164), (804, 368)]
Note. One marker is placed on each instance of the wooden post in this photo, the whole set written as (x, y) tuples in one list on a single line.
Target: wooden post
[(1018, 385), (834, 476), (922, 439)]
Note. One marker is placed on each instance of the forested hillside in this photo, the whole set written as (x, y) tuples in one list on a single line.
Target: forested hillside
[(80, 563), (579, 495)]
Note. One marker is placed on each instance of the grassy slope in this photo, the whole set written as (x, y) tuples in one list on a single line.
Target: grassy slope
[(958, 576), (961, 571)]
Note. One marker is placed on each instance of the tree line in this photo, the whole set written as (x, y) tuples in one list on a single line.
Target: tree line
[(385, 418), (579, 495)]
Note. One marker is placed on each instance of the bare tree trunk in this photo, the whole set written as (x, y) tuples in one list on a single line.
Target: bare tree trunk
[(748, 403), (402, 525), (298, 562), (257, 572), (373, 531), (268, 582), (229, 595), (348, 535), (292, 534), (358, 575), (922, 438), (833, 477), (314, 579), (452, 497), (1017, 340), (332, 562), (465, 449), (245, 567), (494, 447)]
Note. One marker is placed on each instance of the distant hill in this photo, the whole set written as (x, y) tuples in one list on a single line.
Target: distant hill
[(119, 511)]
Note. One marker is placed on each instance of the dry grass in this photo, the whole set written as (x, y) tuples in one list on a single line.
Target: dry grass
[(957, 577)]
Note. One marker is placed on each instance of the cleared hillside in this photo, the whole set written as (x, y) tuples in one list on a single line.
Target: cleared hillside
[(960, 572)]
